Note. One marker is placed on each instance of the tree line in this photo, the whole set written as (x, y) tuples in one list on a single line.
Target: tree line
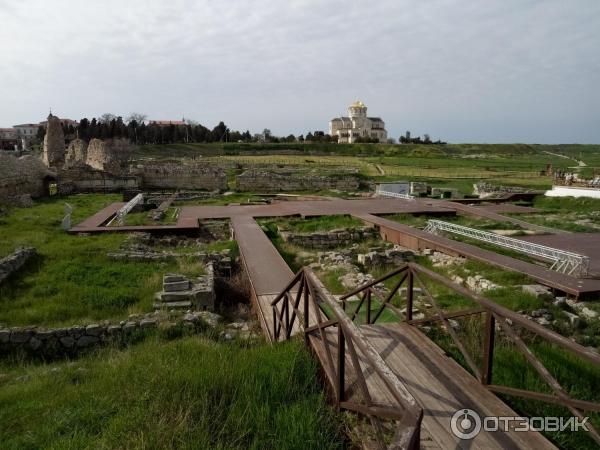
[(137, 130)]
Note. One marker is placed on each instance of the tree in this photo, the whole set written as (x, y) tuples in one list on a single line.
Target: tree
[(139, 118), (266, 135), (106, 118)]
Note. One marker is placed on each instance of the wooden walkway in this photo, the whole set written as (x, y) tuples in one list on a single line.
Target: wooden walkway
[(417, 239), (439, 385)]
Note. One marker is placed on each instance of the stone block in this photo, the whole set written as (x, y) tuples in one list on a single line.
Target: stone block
[(20, 336), (34, 343), (4, 336), (148, 323), (172, 278), (573, 319), (94, 330), (176, 286), (67, 341), (538, 291), (87, 341)]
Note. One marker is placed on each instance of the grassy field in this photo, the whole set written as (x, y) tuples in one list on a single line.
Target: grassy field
[(72, 280), (189, 393), (452, 165)]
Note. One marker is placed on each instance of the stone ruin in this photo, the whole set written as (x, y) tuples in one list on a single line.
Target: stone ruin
[(330, 239), (23, 178), (261, 180), (13, 262), (176, 176), (54, 144), (108, 155), (76, 153), (180, 292)]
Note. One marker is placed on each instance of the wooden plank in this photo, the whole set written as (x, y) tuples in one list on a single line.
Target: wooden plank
[(442, 386)]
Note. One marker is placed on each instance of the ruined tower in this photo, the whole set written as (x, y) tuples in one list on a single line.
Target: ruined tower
[(54, 143)]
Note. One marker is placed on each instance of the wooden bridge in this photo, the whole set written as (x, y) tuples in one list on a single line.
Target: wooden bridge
[(390, 371)]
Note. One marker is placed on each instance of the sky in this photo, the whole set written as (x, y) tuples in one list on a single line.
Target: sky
[(459, 70)]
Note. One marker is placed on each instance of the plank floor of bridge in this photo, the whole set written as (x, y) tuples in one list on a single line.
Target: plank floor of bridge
[(439, 384)]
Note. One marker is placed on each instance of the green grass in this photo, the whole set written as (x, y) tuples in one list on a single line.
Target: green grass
[(315, 224), (72, 280), (189, 393)]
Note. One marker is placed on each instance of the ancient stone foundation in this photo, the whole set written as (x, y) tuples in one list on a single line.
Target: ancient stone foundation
[(14, 262), (258, 180), (82, 178), (180, 292), (173, 176), (56, 342), (330, 239), (25, 176)]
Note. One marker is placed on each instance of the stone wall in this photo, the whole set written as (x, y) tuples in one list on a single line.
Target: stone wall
[(54, 143), (258, 180), (109, 155), (55, 342), (83, 178), (26, 175), (76, 153), (173, 176), (15, 261), (330, 239)]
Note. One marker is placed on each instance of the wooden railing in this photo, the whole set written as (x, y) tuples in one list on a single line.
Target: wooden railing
[(509, 322), (306, 306)]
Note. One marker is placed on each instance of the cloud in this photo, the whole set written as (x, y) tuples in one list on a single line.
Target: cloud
[(508, 70)]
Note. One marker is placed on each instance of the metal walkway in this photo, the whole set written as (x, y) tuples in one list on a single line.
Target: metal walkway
[(562, 261)]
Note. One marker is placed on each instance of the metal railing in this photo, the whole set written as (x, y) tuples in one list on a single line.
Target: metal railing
[(125, 209), (347, 359), (384, 193), (562, 261)]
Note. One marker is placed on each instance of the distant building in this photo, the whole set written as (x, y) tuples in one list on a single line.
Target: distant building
[(27, 131), (8, 139), (357, 124), (65, 122), (166, 123)]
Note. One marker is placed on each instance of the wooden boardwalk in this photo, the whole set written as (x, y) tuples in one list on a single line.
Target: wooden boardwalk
[(439, 385), (417, 239)]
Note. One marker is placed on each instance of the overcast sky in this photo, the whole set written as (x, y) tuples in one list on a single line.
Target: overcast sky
[(460, 70)]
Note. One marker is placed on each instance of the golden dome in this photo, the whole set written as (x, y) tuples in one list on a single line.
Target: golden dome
[(357, 104)]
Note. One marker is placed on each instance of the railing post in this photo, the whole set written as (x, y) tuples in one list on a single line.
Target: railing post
[(287, 316), (409, 295), (305, 294), (341, 384), (368, 306), (275, 334), (488, 348)]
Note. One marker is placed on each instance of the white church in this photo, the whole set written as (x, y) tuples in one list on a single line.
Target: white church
[(357, 124)]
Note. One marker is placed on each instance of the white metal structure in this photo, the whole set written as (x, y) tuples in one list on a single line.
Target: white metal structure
[(562, 261), (125, 209), (383, 193)]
